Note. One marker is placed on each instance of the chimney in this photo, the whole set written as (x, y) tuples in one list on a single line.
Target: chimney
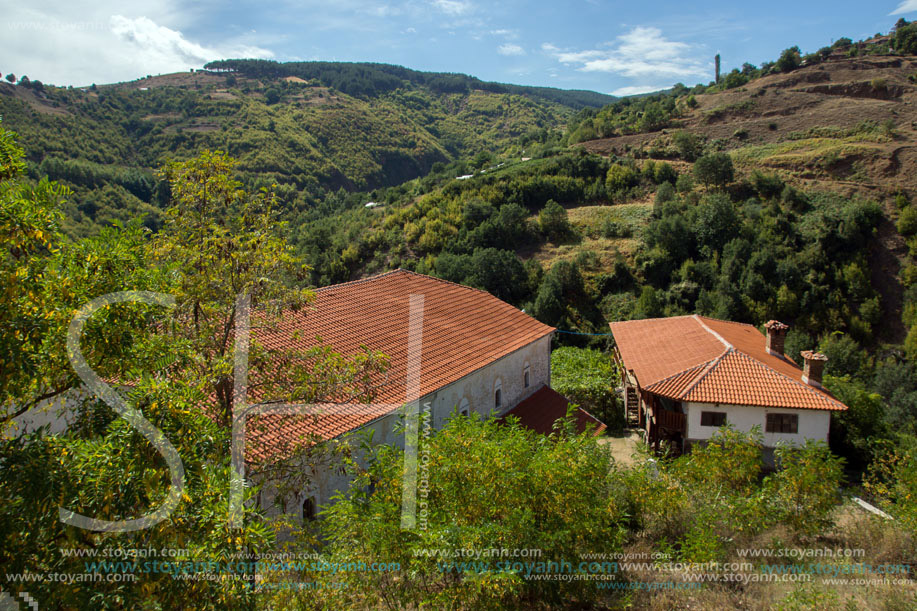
[(776, 334), (815, 365)]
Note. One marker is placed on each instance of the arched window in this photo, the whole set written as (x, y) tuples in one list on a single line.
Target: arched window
[(308, 509), (498, 394), (526, 376)]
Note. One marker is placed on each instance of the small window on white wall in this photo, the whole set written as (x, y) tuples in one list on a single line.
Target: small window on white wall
[(498, 394), (464, 407), (526, 376)]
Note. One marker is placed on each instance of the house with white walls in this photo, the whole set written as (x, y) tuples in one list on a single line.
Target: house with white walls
[(684, 377), (477, 355)]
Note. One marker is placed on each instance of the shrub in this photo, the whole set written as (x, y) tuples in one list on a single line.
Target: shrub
[(909, 275), (488, 483), (907, 222), (684, 184), (665, 173), (768, 186), (690, 146), (804, 490), (620, 178), (735, 79), (892, 478), (613, 228), (665, 193)]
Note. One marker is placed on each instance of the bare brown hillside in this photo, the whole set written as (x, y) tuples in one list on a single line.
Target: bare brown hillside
[(838, 96)]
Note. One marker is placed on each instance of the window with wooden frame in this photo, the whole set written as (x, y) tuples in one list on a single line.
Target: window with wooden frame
[(782, 423), (716, 419)]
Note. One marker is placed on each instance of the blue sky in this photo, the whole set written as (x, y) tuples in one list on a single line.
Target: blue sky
[(603, 45)]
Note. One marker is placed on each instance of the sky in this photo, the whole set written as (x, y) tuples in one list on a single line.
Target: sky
[(608, 46)]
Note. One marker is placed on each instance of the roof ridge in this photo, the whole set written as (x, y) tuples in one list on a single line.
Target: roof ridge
[(814, 391), (679, 373), (401, 270), (713, 333), (621, 322), (360, 280), (731, 322), (711, 365)]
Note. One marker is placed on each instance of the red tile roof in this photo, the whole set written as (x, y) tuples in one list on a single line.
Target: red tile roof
[(546, 406), (464, 329), (694, 358)]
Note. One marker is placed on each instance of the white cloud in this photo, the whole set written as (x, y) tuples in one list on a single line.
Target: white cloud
[(166, 49), (908, 6), (503, 32), (642, 53), (106, 42), (510, 50), (453, 7), (636, 90)]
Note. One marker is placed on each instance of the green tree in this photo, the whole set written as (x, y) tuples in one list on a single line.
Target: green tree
[(654, 118), (904, 39), (272, 95), (714, 169), (553, 221), (715, 222), (11, 77), (689, 145), (218, 242), (500, 273), (790, 59)]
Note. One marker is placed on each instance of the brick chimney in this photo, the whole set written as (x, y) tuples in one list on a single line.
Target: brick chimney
[(815, 365), (776, 334)]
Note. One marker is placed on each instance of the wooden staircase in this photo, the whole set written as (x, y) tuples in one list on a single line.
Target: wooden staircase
[(631, 406)]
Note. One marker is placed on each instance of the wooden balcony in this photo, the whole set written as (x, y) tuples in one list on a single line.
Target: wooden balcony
[(672, 421)]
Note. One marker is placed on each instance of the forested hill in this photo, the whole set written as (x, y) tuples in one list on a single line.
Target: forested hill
[(310, 128), (369, 79)]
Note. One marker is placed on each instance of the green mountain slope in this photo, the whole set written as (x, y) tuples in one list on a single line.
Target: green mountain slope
[(304, 135)]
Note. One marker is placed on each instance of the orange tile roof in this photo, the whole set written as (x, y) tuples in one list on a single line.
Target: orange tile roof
[(540, 411), (464, 329), (694, 358)]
